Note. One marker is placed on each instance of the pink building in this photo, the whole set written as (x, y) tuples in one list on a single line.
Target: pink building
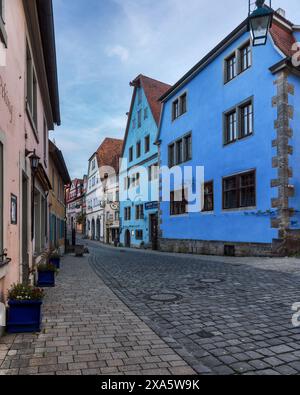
[(29, 108)]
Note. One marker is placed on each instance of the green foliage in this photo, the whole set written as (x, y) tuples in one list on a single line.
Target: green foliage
[(20, 292), (47, 267)]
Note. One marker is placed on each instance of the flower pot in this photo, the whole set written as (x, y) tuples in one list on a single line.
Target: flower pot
[(55, 262), (46, 279), (24, 316)]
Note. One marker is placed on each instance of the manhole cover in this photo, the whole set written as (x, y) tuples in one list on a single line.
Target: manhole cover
[(205, 335), (165, 297), (211, 280)]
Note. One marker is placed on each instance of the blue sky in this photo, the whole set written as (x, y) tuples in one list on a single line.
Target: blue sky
[(104, 44)]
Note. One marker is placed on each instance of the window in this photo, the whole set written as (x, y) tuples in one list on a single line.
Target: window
[(180, 151), (134, 123), (139, 96), (187, 147), (239, 191), (146, 113), (178, 203), (31, 99), (130, 154), (231, 71), (238, 62), (246, 112), (245, 57), (127, 213), (175, 109), (147, 144), (239, 122), (139, 118), (231, 127), (117, 215), (183, 107), (139, 235), (153, 172), (139, 212), (208, 196), (179, 158), (138, 149), (93, 164), (171, 155), (179, 106)]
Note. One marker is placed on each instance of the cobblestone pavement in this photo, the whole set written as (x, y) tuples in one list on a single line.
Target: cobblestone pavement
[(87, 330), (222, 315)]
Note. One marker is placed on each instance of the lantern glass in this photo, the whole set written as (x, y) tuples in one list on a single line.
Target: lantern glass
[(35, 160), (259, 29)]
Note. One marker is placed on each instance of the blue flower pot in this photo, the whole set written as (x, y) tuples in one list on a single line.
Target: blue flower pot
[(24, 316), (46, 279), (55, 262)]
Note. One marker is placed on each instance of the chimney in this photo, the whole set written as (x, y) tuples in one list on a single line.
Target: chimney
[(281, 12)]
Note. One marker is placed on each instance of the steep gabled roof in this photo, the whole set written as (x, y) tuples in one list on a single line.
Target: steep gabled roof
[(281, 33), (59, 160), (153, 90), (109, 153)]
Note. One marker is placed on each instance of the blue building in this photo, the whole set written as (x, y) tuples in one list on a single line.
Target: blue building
[(138, 174), (237, 113)]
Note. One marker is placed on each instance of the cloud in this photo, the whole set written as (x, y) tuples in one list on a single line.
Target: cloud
[(119, 39), (119, 51)]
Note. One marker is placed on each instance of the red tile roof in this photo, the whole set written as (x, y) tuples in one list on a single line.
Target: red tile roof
[(283, 38), (109, 153), (153, 90)]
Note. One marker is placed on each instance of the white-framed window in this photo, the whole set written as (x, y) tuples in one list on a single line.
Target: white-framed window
[(31, 91)]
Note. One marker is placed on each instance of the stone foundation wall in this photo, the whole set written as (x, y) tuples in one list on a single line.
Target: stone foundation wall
[(202, 247)]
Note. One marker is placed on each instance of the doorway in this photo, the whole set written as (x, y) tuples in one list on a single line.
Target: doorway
[(154, 231), (25, 257), (93, 229), (127, 239)]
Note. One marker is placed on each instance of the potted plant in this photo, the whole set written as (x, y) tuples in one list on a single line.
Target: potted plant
[(24, 312), (54, 259), (46, 275)]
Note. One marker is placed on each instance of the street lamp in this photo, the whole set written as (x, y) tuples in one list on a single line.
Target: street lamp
[(260, 21), (34, 162)]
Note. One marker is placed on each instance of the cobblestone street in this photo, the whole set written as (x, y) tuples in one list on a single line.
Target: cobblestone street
[(87, 330), (163, 314)]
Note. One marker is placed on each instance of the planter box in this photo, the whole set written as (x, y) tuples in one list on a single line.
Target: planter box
[(46, 279), (24, 316), (55, 262)]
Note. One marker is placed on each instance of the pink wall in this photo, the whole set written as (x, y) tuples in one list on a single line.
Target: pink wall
[(16, 134)]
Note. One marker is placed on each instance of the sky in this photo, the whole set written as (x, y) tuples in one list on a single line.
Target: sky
[(102, 45)]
